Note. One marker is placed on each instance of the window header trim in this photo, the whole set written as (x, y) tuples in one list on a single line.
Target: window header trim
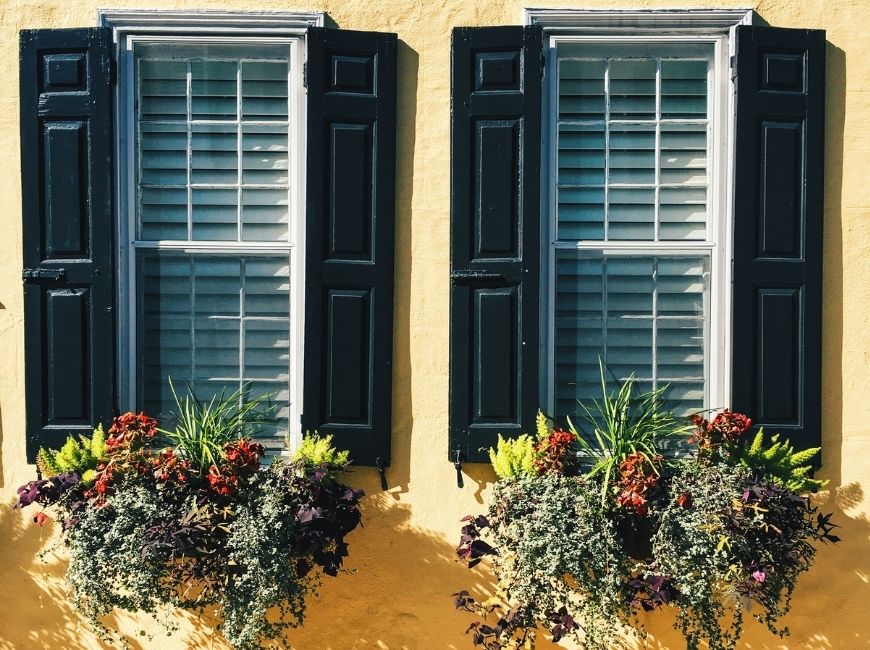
[(599, 21), (249, 22)]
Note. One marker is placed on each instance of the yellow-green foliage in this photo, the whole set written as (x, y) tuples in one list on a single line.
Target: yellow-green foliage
[(82, 456), (317, 450), (542, 425), (513, 457), (778, 460)]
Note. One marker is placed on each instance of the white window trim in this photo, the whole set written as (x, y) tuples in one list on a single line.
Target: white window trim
[(638, 26), (131, 26)]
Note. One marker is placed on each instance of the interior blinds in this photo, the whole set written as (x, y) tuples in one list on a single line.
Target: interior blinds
[(632, 187), (213, 131)]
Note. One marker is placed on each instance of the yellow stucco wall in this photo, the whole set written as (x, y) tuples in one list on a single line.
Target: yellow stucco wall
[(399, 598)]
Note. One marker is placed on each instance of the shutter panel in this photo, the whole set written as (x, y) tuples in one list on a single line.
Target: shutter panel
[(350, 226), (778, 205), (66, 176), (495, 233)]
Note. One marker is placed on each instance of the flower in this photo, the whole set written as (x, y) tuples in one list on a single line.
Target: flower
[(41, 518), (684, 500), (759, 576)]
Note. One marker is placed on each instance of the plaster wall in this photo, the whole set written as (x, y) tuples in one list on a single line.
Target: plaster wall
[(399, 598)]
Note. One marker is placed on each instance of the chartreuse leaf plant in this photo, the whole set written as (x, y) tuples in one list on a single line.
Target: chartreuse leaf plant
[(580, 549), (81, 456), (778, 460)]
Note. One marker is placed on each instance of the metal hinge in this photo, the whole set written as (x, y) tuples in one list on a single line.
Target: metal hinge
[(305, 75)]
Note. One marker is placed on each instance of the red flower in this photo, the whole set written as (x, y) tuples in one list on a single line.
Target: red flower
[(41, 518), (684, 500), (725, 429), (637, 479), (130, 429)]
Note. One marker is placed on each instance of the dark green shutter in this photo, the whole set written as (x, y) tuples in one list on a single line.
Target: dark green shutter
[(778, 214), (495, 235), (350, 224), (66, 188)]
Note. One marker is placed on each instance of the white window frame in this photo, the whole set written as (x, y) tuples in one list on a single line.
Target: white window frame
[(268, 28), (715, 27)]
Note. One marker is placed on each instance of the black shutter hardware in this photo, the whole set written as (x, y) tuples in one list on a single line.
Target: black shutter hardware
[(350, 222), (66, 186), (778, 214)]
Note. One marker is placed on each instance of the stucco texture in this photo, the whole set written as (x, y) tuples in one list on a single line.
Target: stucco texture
[(399, 596)]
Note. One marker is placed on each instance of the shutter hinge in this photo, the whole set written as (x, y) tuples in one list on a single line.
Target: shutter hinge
[(305, 75), (733, 63), (113, 71), (543, 65)]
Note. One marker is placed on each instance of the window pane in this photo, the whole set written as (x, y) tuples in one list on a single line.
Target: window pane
[(643, 315), (214, 323)]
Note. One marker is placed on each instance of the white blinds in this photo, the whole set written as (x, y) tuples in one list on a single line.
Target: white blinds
[(643, 314), (632, 196), (213, 186), (213, 138), (214, 323)]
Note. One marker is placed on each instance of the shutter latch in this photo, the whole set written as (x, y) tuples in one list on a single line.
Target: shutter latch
[(382, 471), (43, 274), (457, 465)]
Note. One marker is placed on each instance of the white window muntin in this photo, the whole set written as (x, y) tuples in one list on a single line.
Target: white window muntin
[(717, 243), (128, 171)]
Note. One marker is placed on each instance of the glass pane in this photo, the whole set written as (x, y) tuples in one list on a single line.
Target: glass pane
[(684, 89), (264, 90), (643, 315), (213, 90), (632, 89), (631, 214), (632, 154), (214, 156), (264, 155), (162, 90), (581, 89)]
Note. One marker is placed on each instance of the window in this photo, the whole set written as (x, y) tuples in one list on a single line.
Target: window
[(641, 185), (636, 228), (213, 148), (209, 196)]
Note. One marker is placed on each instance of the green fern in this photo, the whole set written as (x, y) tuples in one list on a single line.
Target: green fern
[(514, 457), (82, 456), (317, 451), (779, 461)]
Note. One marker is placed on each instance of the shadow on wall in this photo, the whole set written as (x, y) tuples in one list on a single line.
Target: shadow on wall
[(396, 595), (406, 134)]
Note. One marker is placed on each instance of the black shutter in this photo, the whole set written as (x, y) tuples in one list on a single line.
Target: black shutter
[(66, 181), (351, 79), (495, 223), (778, 211)]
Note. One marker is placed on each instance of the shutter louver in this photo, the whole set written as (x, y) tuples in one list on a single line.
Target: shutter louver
[(778, 230), (350, 240), (66, 175), (495, 222)]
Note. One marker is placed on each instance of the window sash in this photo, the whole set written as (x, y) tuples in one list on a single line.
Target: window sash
[(716, 244)]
